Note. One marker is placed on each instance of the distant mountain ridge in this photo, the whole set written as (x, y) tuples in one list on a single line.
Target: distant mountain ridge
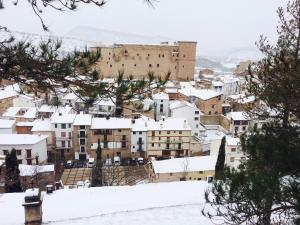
[(111, 37)]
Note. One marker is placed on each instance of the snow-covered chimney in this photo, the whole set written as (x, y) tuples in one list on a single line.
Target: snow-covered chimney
[(33, 207)]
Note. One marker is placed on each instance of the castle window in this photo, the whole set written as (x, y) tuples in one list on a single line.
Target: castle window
[(134, 65), (150, 65), (122, 65), (148, 54), (162, 55), (110, 66), (157, 65)]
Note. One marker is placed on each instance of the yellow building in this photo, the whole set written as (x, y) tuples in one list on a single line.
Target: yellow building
[(170, 137), (138, 60)]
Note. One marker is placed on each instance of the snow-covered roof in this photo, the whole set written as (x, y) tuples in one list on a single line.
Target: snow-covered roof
[(20, 139), (180, 104), (24, 124), (29, 112), (62, 118), (141, 124), (242, 98), (105, 102), (30, 170), (160, 96), (41, 125), (111, 123), (70, 96), (173, 203), (189, 164), (217, 83), (9, 91), (238, 116), (5, 124), (232, 141), (203, 94), (83, 120), (169, 124)]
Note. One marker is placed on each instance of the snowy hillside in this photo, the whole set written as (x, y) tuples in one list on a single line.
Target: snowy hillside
[(68, 43), (110, 37), (176, 203)]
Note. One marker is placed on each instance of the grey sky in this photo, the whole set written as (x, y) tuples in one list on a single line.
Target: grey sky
[(215, 24)]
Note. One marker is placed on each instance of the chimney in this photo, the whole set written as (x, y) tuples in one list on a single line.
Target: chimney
[(33, 206)]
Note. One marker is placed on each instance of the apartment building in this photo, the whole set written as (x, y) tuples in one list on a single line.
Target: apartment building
[(233, 152), (29, 148), (184, 109), (62, 128), (161, 105), (137, 60), (139, 136), (169, 137), (239, 122), (114, 135), (82, 136)]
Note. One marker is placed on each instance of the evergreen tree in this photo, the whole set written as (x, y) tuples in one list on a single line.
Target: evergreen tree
[(221, 158), (266, 187), (12, 179)]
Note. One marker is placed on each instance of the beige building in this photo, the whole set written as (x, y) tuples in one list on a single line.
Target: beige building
[(168, 137), (138, 60), (189, 168), (114, 135)]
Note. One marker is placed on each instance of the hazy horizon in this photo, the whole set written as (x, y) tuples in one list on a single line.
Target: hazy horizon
[(216, 25)]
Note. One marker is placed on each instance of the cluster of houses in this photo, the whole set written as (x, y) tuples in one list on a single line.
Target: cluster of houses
[(183, 122)]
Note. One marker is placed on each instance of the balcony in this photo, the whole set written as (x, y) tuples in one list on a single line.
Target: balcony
[(63, 138), (174, 141)]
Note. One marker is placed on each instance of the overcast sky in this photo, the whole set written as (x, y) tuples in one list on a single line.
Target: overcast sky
[(215, 24)]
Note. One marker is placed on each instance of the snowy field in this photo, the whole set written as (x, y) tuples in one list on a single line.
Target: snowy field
[(176, 203)]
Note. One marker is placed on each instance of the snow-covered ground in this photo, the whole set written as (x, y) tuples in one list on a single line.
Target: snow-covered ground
[(176, 203)]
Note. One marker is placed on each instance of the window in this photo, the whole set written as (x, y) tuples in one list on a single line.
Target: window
[(163, 55), (159, 138), (28, 153), (69, 125), (19, 152), (213, 106), (157, 65), (5, 152), (171, 174), (197, 125), (55, 125), (152, 144), (63, 126), (179, 146), (20, 161), (148, 54), (70, 135), (29, 162), (168, 132), (133, 132), (231, 159), (150, 65), (124, 137), (209, 113), (233, 149), (158, 145), (82, 127), (82, 134), (122, 65), (63, 134), (183, 55), (110, 66), (133, 146), (244, 122), (140, 132), (82, 141), (119, 130), (180, 132), (244, 128), (196, 118), (216, 112), (159, 132), (63, 144), (197, 112), (69, 144), (236, 122), (153, 133), (219, 97), (82, 149)]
